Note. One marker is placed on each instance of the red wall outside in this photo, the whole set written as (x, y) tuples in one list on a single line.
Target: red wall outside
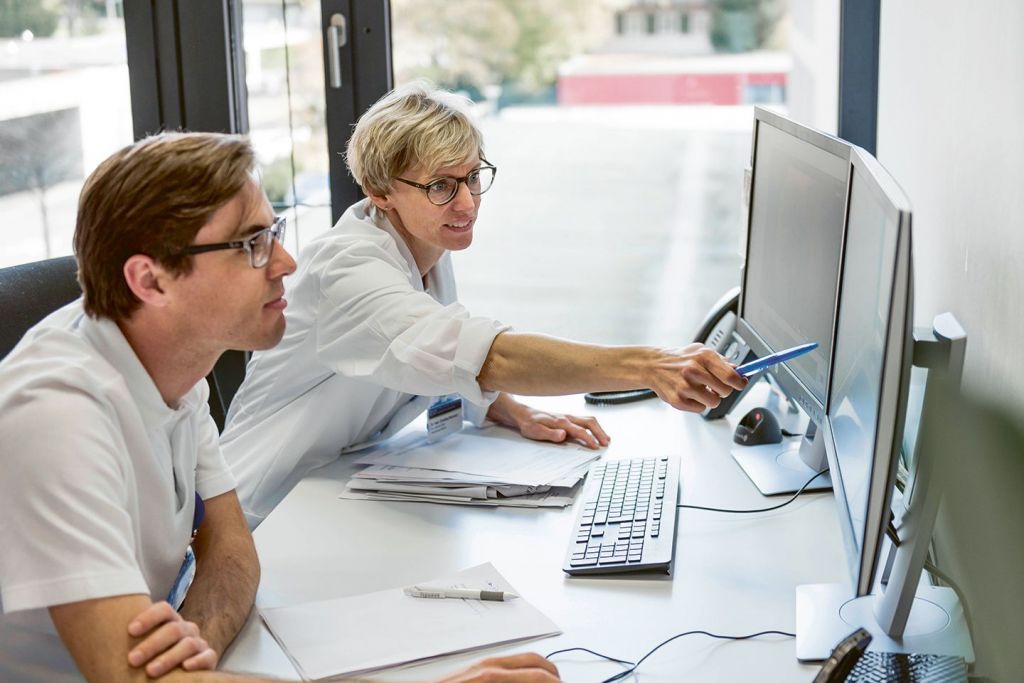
[(660, 88)]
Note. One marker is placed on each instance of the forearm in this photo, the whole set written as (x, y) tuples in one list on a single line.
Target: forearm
[(227, 574), (536, 365)]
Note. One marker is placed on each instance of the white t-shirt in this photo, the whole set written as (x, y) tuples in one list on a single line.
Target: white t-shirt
[(365, 350), (98, 482)]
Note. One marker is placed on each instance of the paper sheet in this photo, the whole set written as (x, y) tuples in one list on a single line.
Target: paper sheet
[(555, 498), (367, 632), (510, 461)]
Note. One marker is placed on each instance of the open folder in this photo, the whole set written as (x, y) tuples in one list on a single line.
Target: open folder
[(361, 633)]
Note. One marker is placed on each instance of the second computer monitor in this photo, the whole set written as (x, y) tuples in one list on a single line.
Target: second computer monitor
[(871, 363), (794, 243)]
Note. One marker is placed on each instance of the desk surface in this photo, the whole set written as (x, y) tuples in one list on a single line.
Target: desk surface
[(733, 574)]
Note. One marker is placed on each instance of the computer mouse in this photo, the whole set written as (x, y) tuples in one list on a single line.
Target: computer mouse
[(758, 427)]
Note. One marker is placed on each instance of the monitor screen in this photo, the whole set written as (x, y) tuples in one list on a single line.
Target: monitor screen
[(865, 413), (794, 242), (860, 344)]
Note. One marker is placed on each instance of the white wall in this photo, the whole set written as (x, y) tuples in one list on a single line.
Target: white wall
[(951, 130), (812, 95)]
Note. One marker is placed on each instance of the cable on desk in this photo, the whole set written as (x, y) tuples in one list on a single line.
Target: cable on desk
[(583, 649), (633, 667), (767, 509)]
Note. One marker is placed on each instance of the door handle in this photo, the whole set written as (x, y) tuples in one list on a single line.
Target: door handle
[(337, 36)]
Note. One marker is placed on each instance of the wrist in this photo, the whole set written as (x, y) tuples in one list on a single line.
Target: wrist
[(632, 367), (511, 412)]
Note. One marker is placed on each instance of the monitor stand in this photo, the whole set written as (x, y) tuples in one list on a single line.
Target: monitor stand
[(785, 467), (826, 613), (905, 613)]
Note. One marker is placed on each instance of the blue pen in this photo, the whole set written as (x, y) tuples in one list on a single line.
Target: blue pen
[(755, 366)]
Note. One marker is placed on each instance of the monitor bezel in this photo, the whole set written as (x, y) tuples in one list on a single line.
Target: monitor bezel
[(787, 380), (864, 559)]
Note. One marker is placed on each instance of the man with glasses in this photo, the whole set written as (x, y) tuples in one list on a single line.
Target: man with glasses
[(376, 333), (124, 553)]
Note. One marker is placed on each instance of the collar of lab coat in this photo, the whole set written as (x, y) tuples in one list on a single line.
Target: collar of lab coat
[(380, 219)]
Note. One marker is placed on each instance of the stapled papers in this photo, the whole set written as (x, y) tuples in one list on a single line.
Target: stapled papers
[(361, 633)]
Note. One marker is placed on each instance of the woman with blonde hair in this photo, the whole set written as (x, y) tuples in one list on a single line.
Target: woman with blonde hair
[(375, 332)]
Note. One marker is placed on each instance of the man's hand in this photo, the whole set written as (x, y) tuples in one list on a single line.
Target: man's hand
[(524, 668), (693, 378), (543, 426), (168, 642)]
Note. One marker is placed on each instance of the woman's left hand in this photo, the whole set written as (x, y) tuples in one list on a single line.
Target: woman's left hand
[(540, 425)]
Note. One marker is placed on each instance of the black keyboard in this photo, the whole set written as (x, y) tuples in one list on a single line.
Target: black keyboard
[(886, 667), (626, 517)]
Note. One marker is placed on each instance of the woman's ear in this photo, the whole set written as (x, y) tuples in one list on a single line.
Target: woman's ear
[(381, 201)]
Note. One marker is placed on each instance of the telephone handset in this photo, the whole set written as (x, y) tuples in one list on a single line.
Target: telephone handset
[(716, 331), (718, 325)]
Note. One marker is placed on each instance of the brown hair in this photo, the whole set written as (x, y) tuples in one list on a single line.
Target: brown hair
[(152, 198)]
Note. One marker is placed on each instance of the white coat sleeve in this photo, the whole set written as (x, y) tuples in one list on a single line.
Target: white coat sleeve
[(373, 324)]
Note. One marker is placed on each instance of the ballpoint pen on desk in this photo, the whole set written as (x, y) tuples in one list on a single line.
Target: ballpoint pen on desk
[(469, 593), (753, 367)]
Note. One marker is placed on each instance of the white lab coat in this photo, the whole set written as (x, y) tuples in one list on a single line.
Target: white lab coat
[(365, 351)]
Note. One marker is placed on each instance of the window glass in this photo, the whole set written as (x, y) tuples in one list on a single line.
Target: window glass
[(64, 107), (621, 130), (284, 76)]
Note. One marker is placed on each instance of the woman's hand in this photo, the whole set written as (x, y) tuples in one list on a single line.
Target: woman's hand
[(692, 378), (540, 425), (168, 642)]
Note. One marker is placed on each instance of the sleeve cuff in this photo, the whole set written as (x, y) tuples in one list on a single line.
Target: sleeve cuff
[(42, 594), (216, 484), (476, 413), (475, 340)]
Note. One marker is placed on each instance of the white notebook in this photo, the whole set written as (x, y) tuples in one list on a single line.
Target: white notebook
[(346, 636)]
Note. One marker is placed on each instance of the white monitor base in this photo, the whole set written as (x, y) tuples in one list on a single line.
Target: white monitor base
[(825, 614), (778, 468)]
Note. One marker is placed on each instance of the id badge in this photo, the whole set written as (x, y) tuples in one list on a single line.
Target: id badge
[(181, 584), (444, 417)]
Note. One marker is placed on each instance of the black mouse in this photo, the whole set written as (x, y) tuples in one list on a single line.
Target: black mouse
[(759, 426)]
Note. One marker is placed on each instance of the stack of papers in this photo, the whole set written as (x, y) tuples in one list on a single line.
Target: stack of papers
[(353, 635), (474, 467)]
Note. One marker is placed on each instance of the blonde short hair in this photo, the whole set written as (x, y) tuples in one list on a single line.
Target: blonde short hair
[(151, 198), (416, 124)]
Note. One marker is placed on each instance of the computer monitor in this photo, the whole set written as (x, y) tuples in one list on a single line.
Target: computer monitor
[(873, 351), (790, 279), (872, 355)]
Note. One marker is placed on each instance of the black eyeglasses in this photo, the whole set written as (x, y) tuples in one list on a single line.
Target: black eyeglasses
[(443, 189), (259, 246)]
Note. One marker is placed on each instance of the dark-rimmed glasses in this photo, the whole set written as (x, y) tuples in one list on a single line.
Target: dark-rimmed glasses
[(259, 246), (442, 190)]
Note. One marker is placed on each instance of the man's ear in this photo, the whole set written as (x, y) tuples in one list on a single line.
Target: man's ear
[(147, 279)]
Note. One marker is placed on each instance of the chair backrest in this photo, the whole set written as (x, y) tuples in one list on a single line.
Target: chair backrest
[(30, 292), (224, 380)]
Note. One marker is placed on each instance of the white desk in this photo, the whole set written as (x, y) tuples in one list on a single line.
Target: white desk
[(733, 574)]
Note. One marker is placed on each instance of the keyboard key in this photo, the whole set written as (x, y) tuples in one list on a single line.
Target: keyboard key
[(584, 562)]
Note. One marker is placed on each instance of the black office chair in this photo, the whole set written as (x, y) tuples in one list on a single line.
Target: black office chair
[(224, 380), (31, 291)]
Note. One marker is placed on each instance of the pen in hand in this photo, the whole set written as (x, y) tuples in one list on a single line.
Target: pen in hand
[(468, 593)]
